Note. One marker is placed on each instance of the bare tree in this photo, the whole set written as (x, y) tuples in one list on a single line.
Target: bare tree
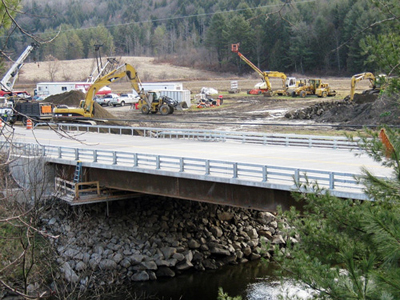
[(8, 26), (53, 66), (23, 188), (23, 244)]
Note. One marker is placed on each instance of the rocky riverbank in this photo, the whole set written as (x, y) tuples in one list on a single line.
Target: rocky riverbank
[(152, 237)]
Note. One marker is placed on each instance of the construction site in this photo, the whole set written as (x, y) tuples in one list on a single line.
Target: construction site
[(265, 101)]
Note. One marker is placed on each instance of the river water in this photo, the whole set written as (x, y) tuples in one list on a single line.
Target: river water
[(252, 281)]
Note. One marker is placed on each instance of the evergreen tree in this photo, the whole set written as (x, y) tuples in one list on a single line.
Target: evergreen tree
[(5, 21), (350, 249), (216, 36)]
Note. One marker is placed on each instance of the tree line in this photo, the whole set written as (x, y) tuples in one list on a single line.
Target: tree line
[(321, 36)]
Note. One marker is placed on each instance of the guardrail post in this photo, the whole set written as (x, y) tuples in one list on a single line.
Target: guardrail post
[(235, 170), (76, 154), (264, 174), (94, 155), (331, 180), (181, 165), (135, 160), (43, 151), (297, 175), (207, 167), (114, 157), (287, 141), (59, 152), (309, 142), (158, 163)]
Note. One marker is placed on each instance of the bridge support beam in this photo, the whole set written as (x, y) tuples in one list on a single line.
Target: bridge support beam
[(250, 197), (193, 189)]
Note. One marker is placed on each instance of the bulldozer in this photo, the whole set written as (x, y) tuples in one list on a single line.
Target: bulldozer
[(313, 87)]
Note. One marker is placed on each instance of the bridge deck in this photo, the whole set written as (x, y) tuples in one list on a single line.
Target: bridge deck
[(232, 163)]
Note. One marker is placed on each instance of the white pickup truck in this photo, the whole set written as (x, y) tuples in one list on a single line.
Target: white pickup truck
[(124, 99)]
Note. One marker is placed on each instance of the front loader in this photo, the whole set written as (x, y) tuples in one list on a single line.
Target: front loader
[(154, 102)]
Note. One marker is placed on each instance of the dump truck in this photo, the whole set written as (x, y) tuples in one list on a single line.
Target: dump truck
[(22, 110)]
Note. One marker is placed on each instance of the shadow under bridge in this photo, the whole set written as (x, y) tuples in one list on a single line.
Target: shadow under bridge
[(221, 192)]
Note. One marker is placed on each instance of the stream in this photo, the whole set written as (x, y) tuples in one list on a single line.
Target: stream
[(251, 281)]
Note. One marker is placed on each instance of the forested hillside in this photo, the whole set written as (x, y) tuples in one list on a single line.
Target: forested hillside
[(302, 36)]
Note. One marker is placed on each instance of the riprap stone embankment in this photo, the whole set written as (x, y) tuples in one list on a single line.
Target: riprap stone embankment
[(147, 238)]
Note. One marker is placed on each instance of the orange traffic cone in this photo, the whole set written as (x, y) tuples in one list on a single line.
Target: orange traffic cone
[(29, 124)]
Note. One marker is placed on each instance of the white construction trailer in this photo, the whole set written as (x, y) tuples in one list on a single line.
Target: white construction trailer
[(158, 86), (46, 89)]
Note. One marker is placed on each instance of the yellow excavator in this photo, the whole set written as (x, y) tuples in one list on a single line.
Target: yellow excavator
[(86, 110), (150, 102), (373, 82), (265, 87)]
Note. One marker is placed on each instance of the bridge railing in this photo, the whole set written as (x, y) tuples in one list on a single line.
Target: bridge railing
[(268, 176), (332, 142)]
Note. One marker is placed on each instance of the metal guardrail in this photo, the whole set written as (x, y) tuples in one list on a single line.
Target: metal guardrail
[(275, 177), (289, 140)]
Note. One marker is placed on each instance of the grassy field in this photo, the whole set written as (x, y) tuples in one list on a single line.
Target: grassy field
[(150, 71)]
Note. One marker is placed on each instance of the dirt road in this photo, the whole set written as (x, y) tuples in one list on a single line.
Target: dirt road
[(238, 113)]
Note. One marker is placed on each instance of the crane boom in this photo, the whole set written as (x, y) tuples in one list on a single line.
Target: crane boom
[(235, 49), (286, 82), (7, 83)]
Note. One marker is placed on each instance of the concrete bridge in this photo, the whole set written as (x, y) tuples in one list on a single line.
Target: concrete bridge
[(240, 169)]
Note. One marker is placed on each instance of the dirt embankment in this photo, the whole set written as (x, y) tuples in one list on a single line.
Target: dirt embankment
[(257, 113), (364, 110), (73, 99)]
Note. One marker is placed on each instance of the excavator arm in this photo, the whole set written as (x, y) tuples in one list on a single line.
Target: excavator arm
[(276, 74), (113, 76), (86, 107), (358, 77)]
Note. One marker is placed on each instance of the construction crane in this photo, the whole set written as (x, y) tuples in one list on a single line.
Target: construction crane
[(265, 87), (8, 81)]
